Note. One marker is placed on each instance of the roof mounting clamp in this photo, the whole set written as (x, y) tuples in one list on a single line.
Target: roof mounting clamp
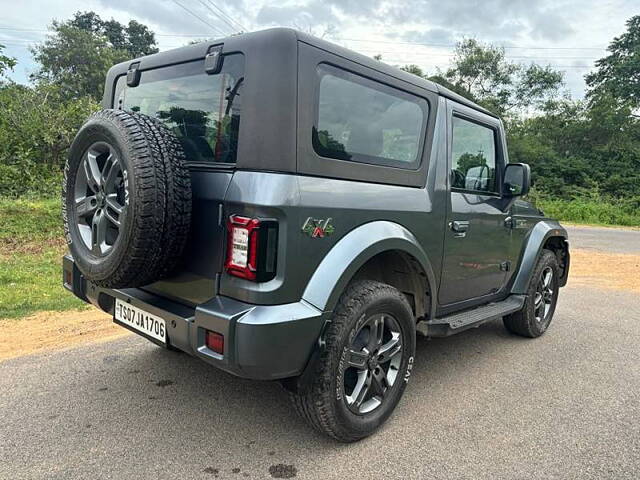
[(213, 60), (133, 75)]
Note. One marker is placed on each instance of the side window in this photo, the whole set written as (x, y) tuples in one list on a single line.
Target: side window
[(202, 110), (361, 120), (473, 157)]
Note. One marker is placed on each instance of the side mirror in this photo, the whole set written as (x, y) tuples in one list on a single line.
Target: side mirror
[(517, 180)]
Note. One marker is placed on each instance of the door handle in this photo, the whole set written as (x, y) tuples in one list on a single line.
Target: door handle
[(459, 226)]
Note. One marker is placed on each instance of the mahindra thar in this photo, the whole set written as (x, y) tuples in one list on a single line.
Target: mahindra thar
[(286, 209)]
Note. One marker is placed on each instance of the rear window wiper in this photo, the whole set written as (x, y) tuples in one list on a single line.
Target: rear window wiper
[(233, 93)]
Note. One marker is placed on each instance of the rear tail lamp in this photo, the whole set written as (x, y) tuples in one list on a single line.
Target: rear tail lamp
[(251, 248)]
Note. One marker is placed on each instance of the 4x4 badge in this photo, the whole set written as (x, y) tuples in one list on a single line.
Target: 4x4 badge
[(318, 228)]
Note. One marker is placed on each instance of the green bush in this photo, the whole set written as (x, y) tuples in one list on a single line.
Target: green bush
[(24, 178), (37, 125), (592, 211)]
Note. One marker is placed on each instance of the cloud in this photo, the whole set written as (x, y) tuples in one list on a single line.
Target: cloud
[(552, 25), (436, 36), (302, 15), (499, 21), (169, 17)]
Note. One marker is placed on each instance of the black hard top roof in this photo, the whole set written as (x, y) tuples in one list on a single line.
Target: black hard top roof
[(276, 35)]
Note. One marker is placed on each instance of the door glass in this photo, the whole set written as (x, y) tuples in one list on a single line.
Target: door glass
[(473, 157)]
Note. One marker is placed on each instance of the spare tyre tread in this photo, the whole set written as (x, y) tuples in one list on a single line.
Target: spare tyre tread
[(178, 193), (149, 256)]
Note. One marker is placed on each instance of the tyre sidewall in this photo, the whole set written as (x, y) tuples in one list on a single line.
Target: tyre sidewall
[(97, 130), (363, 425)]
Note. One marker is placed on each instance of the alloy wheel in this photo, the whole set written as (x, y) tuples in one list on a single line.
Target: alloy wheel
[(99, 196), (372, 363), (543, 297)]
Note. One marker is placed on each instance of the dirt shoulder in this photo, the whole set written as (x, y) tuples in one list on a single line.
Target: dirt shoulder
[(619, 271), (57, 330)]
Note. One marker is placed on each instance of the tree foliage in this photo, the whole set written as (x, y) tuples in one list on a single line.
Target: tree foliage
[(37, 125), (135, 38), (6, 63), (586, 150), (483, 73), (77, 55), (415, 69), (617, 77)]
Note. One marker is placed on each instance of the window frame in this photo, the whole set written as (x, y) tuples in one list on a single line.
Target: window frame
[(324, 69), (308, 162), (486, 121)]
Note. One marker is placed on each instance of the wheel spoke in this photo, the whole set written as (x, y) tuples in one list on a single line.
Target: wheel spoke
[(110, 172), (85, 206), (537, 301), (113, 204), (376, 332), (379, 382), (115, 221), (357, 359), (361, 389), (390, 349), (546, 278), (98, 232), (92, 172)]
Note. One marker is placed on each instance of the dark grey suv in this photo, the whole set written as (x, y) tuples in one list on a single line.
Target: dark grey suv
[(285, 209)]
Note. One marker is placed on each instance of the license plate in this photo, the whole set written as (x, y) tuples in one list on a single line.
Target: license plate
[(140, 320)]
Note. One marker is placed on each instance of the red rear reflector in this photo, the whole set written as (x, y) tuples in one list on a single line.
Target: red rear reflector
[(215, 342)]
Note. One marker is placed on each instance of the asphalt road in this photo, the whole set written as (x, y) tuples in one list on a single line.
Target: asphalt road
[(480, 405), (611, 240)]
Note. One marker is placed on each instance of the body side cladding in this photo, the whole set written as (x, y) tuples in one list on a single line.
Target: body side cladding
[(352, 252), (535, 242)]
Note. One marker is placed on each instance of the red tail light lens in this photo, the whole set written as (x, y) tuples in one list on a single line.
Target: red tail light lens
[(242, 247), (251, 248), (215, 342)]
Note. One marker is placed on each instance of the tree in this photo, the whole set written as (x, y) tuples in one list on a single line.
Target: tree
[(618, 74), (37, 125), (6, 63), (78, 54), (415, 69), (135, 38), (483, 72)]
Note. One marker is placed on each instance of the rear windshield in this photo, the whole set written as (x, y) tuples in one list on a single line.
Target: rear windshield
[(202, 110)]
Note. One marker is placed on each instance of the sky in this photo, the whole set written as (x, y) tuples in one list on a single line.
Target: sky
[(568, 35)]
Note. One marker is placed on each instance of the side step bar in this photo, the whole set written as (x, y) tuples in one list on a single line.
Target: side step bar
[(460, 321)]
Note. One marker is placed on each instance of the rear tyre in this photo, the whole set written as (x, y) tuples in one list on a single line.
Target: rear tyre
[(542, 296), (364, 369)]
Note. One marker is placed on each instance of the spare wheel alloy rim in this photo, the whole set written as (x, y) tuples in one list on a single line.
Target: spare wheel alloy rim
[(99, 198)]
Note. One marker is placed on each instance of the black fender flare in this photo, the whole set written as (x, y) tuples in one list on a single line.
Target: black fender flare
[(537, 238)]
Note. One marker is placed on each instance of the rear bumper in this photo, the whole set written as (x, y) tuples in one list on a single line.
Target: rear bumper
[(264, 342)]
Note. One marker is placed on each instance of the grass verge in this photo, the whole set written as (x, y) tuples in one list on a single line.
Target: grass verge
[(590, 212), (31, 248)]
